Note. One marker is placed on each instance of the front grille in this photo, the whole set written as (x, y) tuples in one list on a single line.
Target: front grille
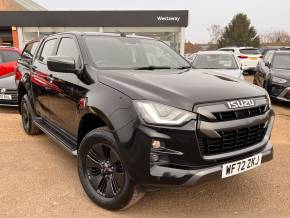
[(232, 140), (240, 114), (14, 100)]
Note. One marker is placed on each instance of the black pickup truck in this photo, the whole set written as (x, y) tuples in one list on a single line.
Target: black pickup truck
[(137, 116)]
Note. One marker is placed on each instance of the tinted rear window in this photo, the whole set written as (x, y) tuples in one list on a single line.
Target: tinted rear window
[(7, 56), (250, 51)]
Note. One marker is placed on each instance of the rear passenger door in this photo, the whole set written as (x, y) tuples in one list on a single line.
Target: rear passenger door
[(41, 78), (64, 102)]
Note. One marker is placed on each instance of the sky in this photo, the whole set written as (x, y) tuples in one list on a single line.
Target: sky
[(266, 15)]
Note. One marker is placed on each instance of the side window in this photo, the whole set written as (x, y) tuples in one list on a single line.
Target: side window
[(68, 47), (266, 57), (47, 50), (29, 50)]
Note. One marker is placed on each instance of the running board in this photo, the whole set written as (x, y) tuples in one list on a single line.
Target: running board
[(68, 142)]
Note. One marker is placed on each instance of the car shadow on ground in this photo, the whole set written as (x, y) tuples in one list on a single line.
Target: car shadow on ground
[(9, 110), (218, 194)]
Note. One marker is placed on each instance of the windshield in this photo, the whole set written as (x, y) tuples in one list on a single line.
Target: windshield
[(281, 61), (215, 61), (111, 52), (7, 56)]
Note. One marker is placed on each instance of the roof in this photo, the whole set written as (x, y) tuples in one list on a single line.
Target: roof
[(101, 34), (30, 5), (9, 48), (282, 52), (235, 47), (214, 52)]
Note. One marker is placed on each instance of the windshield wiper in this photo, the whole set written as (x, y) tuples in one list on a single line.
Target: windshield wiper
[(151, 67), (183, 67)]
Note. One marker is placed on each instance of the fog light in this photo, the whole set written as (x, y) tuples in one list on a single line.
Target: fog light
[(154, 157), (156, 144)]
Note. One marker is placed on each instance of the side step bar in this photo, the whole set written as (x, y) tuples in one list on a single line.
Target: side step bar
[(68, 142)]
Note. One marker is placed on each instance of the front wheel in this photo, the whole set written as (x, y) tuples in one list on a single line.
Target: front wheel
[(27, 117), (102, 173)]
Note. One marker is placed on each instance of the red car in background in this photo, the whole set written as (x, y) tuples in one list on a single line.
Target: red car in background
[(8, 89)]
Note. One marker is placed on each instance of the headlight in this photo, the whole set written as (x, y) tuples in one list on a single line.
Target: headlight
[(278, 80), (159, 114), (269, 100)]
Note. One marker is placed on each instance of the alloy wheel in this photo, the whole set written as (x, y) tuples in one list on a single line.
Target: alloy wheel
[(104, 170)]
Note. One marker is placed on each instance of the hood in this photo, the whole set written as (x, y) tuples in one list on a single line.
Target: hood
[(285, 74), (179, 88), (230, 72), (7, 81)]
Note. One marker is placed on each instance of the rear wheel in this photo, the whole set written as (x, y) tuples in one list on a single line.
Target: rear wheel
[(102, 173), (27, 118)]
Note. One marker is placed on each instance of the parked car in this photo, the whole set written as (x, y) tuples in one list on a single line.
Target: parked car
[(220, 62), (8, 89), (264, 50), (284, 48), (137, 117), (248, 57), (274, 74)]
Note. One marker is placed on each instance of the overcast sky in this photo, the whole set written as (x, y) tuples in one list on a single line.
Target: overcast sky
[(266, 15)]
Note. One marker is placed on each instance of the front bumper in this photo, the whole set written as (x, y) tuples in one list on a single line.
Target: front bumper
[(11, 103), (203, 175), (283, 96), (182, 162)]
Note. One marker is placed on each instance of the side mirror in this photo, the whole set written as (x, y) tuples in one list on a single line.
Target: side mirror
[(268, 64), (63, 64)]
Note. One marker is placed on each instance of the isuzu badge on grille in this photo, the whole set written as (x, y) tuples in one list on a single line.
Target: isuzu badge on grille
[(241, 103)]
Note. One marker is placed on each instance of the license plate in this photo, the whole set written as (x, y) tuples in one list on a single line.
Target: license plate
[(253, 59), (240, 166), (5, 97)]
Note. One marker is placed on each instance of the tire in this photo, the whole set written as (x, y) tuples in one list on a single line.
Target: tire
[(102, 173), (27, 117)]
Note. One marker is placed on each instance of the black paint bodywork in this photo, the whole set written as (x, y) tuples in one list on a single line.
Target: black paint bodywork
[(63, 101), (265, 73)]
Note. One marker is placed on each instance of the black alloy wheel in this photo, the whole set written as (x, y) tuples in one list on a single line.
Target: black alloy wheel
[(104, 170), (25, 116)]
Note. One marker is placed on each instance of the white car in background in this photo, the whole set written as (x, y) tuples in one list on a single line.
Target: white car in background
[(219, 62), (248, 57)]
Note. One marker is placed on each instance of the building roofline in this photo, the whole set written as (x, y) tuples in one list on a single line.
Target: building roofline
[(152, 18)]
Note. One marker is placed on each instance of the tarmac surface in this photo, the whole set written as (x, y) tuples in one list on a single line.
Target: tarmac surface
[(39, 179)]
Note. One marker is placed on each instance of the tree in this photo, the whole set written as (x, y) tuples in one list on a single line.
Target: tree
[(277, 37), (239, 32), (190, 48), (215, 32)]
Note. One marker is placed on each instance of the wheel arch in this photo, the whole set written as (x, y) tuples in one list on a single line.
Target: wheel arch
[(90, 121)]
